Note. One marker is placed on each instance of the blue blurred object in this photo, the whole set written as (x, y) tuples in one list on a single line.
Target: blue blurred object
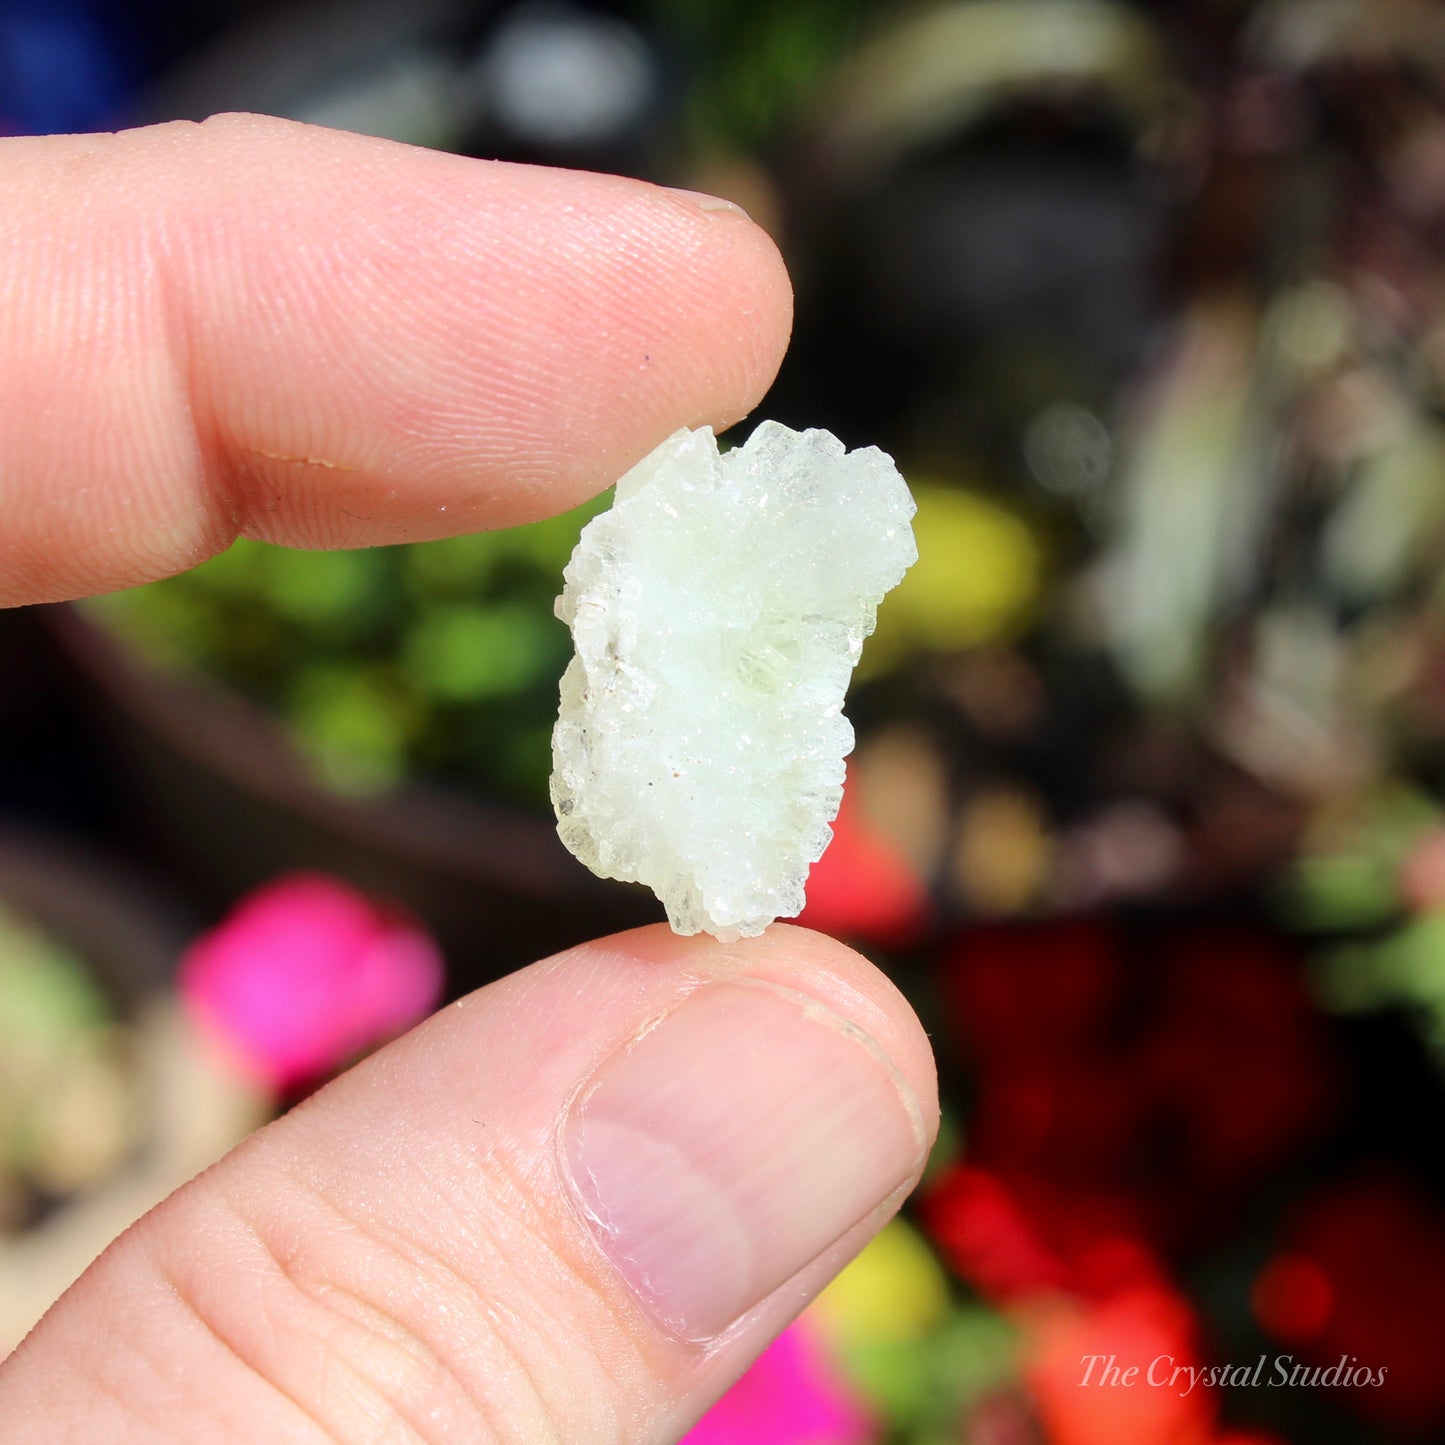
[(62, 67), (77, 65)]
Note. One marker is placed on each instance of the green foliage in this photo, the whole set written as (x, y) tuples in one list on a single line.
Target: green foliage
[(66, 1100), (1347, 873), (438, 658), (925, 1386), (1405, 969), (757, 63), (46, 990)]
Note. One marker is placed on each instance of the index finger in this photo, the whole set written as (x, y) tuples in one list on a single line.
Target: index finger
[(253, 326)]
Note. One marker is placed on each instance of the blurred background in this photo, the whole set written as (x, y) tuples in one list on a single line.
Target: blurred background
[(1147, 814)]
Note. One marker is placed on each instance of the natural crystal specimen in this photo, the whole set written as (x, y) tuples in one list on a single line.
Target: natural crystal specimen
[(718, 610)]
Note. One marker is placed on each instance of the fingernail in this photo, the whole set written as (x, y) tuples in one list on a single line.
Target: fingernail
[(705, 202), (732, 1144)]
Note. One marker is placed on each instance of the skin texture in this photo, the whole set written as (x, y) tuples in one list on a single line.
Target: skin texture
[(261, 328), (250, 326)]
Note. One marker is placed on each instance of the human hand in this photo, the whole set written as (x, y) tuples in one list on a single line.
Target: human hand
[(576, 1204)]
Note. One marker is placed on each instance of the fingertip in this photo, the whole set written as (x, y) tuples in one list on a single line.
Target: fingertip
[(857, 989), (839, 977), (322, 339), (762, 306), (515, 337)]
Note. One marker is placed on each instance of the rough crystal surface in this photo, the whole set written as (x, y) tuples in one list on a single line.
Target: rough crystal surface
[(718, 609)]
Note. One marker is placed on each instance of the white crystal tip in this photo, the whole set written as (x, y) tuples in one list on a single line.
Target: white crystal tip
[(718, 609)]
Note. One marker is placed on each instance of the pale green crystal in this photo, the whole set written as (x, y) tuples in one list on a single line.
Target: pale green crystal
[(718, 610)]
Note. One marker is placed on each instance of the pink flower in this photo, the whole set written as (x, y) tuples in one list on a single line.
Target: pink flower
[(304, 975), (792, 1395)]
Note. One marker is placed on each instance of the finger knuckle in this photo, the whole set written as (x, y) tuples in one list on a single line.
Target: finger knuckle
[(367, 1333)]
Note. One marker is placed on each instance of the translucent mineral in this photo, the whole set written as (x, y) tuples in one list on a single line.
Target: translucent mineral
[(718, 609)]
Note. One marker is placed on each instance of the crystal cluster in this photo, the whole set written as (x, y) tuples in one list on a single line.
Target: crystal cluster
[(718, 609)]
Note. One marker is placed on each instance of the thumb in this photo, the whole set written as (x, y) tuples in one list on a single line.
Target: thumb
[(573, 1206)]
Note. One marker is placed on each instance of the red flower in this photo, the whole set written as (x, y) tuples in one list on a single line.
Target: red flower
[(1013, 1237), (863, 887), (1179, 1072), (1103, 1372), (1362, 1278), (1034, 992), (1075, 1119), (1235, 1062)]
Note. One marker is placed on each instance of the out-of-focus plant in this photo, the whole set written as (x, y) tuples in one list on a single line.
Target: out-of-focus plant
[(925, 1359), (68, 1107), (1405, 970), (979, 573), (1359, 863), (757, 64), (436, 658), (941, 67)]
